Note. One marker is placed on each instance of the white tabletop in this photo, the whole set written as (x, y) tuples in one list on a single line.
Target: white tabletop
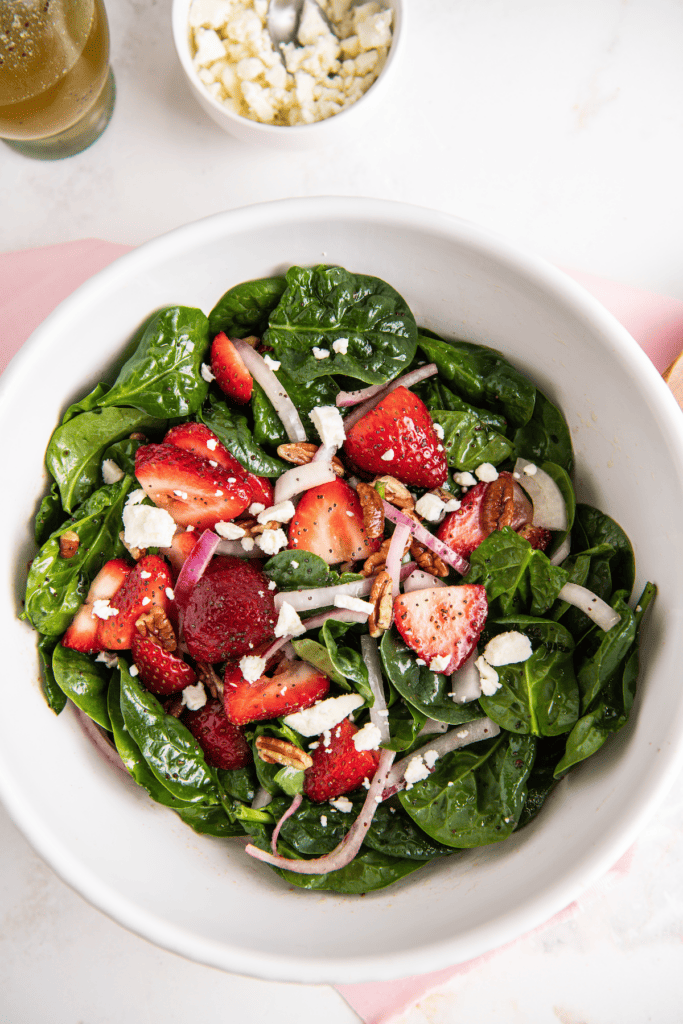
[(558, 125)]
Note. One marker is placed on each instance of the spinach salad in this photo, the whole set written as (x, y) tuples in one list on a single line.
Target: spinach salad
[(361, 641)]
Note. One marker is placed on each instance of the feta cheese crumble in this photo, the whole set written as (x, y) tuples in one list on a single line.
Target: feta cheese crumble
[(289, 623), (440, 663), (274, 364), (111, 472), (194, 697), (367, 738), (102, 609), (430, 507), (327, 420), (229, 531), (388, 455), (271, 541), (324, 715), (352, 604), (341, 346), (280, 513), (487, 472), (343, 804), (252, 667), (488, 677), (207, 375), (146, 526), (508, 649), (320, 353)]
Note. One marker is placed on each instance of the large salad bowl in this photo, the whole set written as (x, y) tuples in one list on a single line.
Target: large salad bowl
[(201, 897)]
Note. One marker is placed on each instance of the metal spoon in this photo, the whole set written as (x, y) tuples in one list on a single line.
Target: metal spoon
[(283, 18)]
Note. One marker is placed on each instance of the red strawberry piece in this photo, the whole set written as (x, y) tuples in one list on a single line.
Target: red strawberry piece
[(182, 545), (537, 536), (145, 586), (329, 522), (462, 530), (162, 672), (200, 440), (193, 491), (442, 624), (228, 368), (229, 612), (398, 437), (223, 742), (338, 767), (82, 633), (294, 686), (485, 508)]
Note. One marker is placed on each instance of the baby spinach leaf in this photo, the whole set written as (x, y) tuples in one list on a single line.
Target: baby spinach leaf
[(87, 403), (468, 442), (209, 820), (393, 832), (593, 529), (268, 428), (76, 449), (54, 696), (601, 653), (300, 570), (239, 783), (367, 872), (427, 691), (405, 721), (244, 310), (49, 515), (481, 375), (539, 695), (123, 454), (521, 578), (323, 305), (347, 661), (317, 656), (163, 376), (84, 681), (549, 751), (232, 430), (436, 395), (56, 586), (475, 795), (545, 437), (168, 747)]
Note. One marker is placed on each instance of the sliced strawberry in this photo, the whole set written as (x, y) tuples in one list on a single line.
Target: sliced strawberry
[(537, 536), (198, 439), (462, 530), (329, 522), (338, 767), (182, 545), (162, 672), (442, 624), (296, 685), (229, 612), (485, 508), (82, 633), (145, 586), (228, 368), (398, 437), (223, 742), (193, 491)]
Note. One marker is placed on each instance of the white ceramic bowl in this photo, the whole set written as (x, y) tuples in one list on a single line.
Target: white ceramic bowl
[(203, 898), (331, 131)]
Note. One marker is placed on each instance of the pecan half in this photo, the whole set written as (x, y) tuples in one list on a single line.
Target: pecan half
[(427, 560), (382, 600), (395, 492), (373, 510), (156, 624), (504, 504), (69, 543), (275, 751), (212, 681), (259, 528), (378, 560), (301, 452)]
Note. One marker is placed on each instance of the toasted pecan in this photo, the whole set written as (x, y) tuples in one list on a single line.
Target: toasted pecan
[(382, 601), (372, 509), (300, 453), (156, 624), (69, 543), (276, 751)]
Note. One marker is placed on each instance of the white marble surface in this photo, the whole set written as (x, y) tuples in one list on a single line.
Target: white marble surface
[(559, 125)]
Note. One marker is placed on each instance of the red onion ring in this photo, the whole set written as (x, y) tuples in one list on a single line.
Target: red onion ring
[(292, 809), (421, 533), (378, 711), (282, 403), (194, 567), (479, 729), (367, 398)]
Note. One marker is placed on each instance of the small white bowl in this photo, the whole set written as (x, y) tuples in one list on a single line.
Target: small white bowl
[(331, 131), (204, 898)]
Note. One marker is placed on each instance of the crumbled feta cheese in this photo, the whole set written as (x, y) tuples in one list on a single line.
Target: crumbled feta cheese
[(194, 697), (341, 346), (102, 609), (430, 507), (508, 648), (274, 364), (212, 444), (135, 497), (289, 623), (324, 715), (342, 803), (452, 505), (144, 575), (367, 738), (170, 593), (323, 820), (488, 677), (416, 771), (272, 585), (530, 469), (440, 663), (320, 353), (109, 658), (255, 508), (133, 671), (146, 526), (430, 757), (145, 601), (280, 513), (388, 455), (486, 472), (252, 667), (465, 479), (462, 734), (327, 420), (272, 541), (247, 543), (439, 431), (209, 45), (352, 604), (111, 472), (207, 374), (229, 531)]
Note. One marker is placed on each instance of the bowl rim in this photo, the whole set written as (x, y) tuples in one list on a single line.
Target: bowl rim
[(605, 851), (179, 24)]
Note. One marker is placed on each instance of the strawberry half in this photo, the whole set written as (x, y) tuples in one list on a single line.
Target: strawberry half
[(297, 685), (194, 492), (398, 437), (338, 768), (200, 440), (442, 624), (485, 508), (462, 530), (329, 522), (162, 672), (223, 742), (229, 612), (228, 368), (82, 634), (144, 586)]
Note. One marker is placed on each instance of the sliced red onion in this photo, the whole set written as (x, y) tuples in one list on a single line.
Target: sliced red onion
[(590, 604), (466, 682), (99, 740), (420, 580), (395, 555), (432, 727), (562, 552), (234, 548), (314, 622), (347, 849), (282, 403), (302, 478), (379, 715), (292, 809), (194, 567), (322, 597), (550, 511), (421, 533), (369, 397), (325, 453), (457, 737)]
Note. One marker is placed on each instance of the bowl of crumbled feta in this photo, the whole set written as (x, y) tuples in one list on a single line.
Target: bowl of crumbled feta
[(297, 94)]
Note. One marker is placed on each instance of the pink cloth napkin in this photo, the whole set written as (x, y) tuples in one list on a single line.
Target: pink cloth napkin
[(34, 282)]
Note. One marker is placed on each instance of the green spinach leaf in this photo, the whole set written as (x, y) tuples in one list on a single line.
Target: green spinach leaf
[(520, 578), (54, 696), (468, 441), (545, 437), (367, 872), (245, 309), (232, 430), (84, 680)]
